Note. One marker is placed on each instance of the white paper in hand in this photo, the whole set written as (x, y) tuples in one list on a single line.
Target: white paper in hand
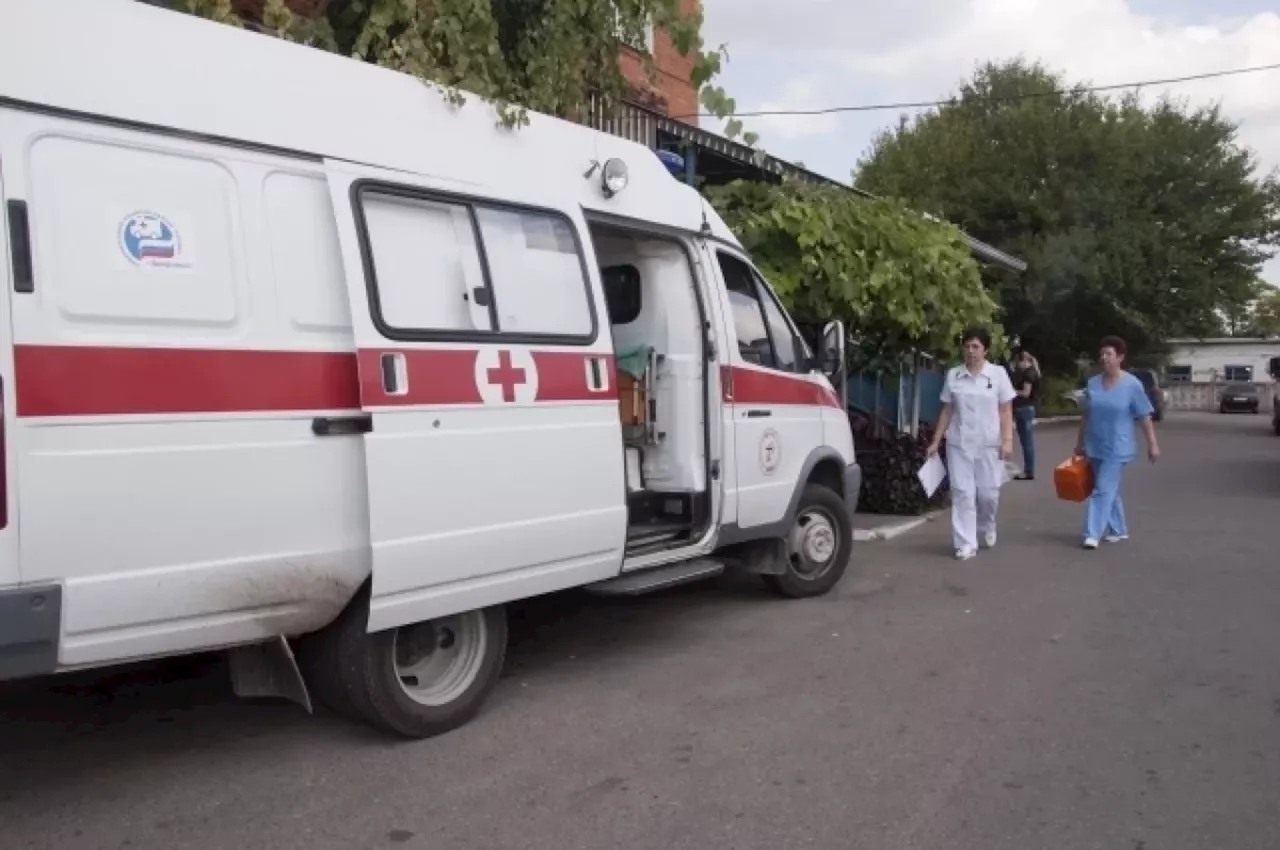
[(931, 475)]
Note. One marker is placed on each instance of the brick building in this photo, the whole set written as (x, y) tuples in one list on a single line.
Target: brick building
[(668, 90)]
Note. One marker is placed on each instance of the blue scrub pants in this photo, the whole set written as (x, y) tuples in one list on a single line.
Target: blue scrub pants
[(1105, 509)]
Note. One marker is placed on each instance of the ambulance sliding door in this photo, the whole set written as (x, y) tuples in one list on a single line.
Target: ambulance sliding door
[(494, 453)]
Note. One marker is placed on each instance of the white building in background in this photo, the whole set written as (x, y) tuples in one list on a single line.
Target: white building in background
[(1221, 359)]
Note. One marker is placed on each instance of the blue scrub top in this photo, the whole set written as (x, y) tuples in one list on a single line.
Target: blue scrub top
[(1109, 434)]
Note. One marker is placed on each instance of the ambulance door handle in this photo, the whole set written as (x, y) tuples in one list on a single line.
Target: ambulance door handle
[(758, 414), (341, 426), (395, 374), (20, 245)]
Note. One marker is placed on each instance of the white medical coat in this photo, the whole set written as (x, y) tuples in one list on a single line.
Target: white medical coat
[(973, 437)]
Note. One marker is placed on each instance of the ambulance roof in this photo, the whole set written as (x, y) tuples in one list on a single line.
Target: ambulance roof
[(125, 60)]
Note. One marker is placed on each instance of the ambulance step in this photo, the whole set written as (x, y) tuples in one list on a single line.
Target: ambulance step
[(636, 584), (655, 530)]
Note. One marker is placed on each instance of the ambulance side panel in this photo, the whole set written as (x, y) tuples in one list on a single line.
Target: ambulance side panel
[(494, 458), (186, 328)]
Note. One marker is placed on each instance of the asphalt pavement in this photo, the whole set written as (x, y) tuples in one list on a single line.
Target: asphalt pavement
[(1040, 696)]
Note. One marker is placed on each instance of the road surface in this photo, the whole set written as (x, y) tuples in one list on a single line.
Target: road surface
[(1039, 696)]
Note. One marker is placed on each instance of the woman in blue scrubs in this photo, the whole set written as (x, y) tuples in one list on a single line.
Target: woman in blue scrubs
[(1113, 402)]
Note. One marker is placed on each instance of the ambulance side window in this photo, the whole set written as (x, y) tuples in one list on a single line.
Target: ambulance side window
[(536, 272), (764, 336), (784, 338), (451, 268), (428, 265)]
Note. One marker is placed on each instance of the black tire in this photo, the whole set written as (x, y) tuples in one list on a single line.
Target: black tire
[(355, 672), (318, 657), (1158, 416), (1275, 426), (801, 579)]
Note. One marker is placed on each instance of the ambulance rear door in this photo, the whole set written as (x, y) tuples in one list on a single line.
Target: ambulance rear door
[(494, 444)]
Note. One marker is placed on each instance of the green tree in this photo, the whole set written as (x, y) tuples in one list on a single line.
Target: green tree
[(1149, 222), (550, 56), (1240, 318), (899, 281), (1266, 312)]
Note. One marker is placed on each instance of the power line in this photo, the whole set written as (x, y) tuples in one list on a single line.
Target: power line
[(926, 104)]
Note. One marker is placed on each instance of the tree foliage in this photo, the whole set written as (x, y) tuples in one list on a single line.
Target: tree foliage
[(1264, 313), (1147, 221), (898, 281), (550, 56)]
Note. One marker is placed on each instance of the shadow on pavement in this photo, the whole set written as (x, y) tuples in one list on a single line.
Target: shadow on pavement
[(133, 713)]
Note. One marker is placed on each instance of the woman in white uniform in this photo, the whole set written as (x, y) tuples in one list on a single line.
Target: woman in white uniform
[(977, 420)]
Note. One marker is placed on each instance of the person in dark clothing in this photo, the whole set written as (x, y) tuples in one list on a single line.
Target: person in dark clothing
[(1026, 383)]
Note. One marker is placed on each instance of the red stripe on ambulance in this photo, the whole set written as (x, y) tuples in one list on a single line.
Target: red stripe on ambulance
[(567, 375), (756, 386), (65, 380), (438, 376), (434, 377), (73, 380)]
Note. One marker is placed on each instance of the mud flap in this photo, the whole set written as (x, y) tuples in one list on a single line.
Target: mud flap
[(765, 557), (267, 670)]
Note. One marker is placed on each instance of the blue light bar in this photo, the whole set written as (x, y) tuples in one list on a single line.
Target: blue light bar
[(673, 161)]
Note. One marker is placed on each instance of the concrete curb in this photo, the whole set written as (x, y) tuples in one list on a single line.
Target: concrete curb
[(1056, 420), (891, 530)]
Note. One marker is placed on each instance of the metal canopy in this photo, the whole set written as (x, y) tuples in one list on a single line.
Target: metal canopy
[(723, 160)]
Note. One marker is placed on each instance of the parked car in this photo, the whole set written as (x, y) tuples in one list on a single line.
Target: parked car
[(1151, 383), (1239, 398)]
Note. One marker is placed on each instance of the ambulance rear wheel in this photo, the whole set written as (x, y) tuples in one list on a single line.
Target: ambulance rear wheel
[(417, 681), (818, 546), (428, 678), (320, 657)]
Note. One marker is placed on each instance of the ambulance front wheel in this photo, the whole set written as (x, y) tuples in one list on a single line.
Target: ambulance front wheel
[(818, 545), (417, 681)]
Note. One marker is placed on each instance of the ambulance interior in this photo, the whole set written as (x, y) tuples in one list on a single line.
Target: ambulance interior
[(660, 364)]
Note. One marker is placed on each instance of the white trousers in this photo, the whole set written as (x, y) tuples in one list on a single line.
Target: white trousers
[(975, 493)]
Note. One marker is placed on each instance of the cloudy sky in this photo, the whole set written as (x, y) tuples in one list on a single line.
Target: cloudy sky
[(823, 53)]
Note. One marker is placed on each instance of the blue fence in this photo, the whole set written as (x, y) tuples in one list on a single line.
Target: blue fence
[(865, 391)]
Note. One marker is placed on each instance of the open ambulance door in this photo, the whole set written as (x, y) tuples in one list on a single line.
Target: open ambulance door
[(493, 443)]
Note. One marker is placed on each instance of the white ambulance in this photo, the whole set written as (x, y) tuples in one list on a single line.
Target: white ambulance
[(302, 362)]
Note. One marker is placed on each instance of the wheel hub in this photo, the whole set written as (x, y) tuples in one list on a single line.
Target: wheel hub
[(813, 543), (819, 542), (436, 661)]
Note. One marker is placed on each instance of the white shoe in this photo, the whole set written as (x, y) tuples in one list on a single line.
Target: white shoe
[(966, 554), (1090, 543), (989, 540), (1115, 538)]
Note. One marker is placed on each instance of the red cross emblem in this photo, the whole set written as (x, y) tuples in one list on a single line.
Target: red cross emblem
[(506, 376)]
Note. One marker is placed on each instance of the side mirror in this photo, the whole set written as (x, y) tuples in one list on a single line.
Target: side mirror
[(831, 353), (831, 359)]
